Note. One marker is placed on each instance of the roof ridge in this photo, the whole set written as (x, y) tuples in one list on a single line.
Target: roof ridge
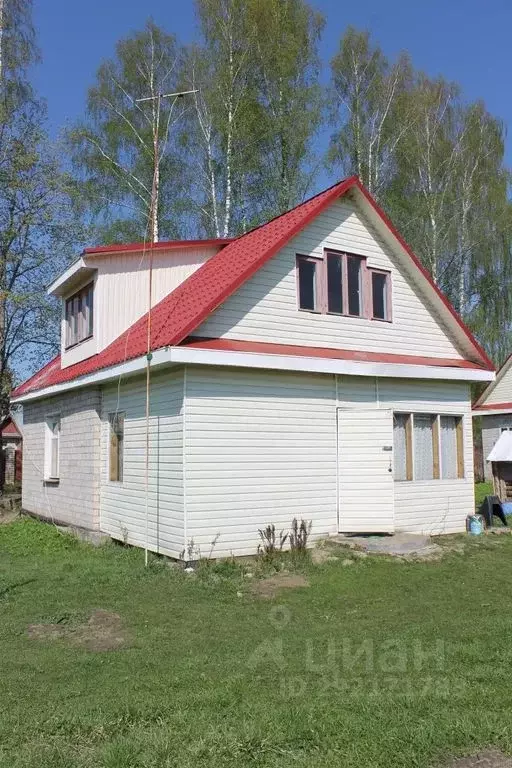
[(295, 207), (183, 310)]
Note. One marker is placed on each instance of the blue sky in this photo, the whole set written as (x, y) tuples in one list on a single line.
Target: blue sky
[(465, 40)]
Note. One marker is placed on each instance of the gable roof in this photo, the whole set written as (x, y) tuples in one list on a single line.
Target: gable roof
[(9, 428), (162, 245), (181, 312), (481, 403)]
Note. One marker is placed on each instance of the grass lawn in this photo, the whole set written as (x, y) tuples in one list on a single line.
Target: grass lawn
[(208, 674), (481, 491)]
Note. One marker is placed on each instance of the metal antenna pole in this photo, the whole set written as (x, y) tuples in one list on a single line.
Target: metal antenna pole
[(153, 212)]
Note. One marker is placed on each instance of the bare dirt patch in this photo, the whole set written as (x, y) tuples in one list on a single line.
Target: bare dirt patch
[(268, 588), (103, 631), (488, 759)]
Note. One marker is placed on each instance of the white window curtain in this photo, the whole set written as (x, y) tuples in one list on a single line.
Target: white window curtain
[(400, 446), (423, 448), (448, 447), (53, 447)]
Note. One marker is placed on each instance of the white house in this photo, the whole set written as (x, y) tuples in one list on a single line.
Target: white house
[(309, 368), (494, 406)]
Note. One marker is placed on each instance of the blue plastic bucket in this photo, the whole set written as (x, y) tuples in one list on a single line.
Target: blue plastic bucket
[(507, 507), (476, 525)]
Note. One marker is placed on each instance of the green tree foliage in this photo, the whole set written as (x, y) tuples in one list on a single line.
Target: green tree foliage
[(286, 36), (242, 147), (37, 233), (125, 153), (435, 163)]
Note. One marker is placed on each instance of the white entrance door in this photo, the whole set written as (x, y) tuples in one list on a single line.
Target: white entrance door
[(365, 471)]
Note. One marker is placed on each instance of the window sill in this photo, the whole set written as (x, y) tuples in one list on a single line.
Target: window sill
[(77, 343), (51, 480), (439, 480), (380, 320)]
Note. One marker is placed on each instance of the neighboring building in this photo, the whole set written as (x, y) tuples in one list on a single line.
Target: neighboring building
[(12, 447), (495, 407), (309, 368)]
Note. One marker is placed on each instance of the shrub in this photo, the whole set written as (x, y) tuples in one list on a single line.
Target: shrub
[(299, 535), (271, 542)]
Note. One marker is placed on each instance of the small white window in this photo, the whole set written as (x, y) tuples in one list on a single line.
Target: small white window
[(116, 450), (52, 448)]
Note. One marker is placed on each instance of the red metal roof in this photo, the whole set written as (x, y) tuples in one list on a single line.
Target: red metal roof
[(163, 245), (182, 311), (353, 355), (493, 407), (9, 428)]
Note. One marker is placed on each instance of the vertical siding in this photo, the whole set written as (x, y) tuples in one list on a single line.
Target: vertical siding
[(260, 448), (75, 498), (491, 430), (122, 283), (123, 504), (265, 307), (436, 506)]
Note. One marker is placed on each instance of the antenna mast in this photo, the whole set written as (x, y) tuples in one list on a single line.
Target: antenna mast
[(153, 221)]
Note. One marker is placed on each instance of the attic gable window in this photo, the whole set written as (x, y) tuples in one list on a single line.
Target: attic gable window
[(308, 283), (79, 315), (381, 294), (342, 284)]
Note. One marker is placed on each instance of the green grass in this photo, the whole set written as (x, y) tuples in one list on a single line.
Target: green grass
[(211, 677), (481, 491)]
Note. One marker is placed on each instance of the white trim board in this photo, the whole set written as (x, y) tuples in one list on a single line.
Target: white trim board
[(195, 356)]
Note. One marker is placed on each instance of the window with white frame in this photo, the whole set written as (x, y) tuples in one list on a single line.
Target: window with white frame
[(343, 284), (116, 449), (79, 315), (428, 447), (52, 448)]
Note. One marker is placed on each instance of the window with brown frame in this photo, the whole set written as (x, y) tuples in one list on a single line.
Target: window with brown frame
[(342, 284), (79, 316), (428, 447), (116, 449)]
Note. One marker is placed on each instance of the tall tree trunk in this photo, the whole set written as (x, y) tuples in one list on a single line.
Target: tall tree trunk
[(1, 39)]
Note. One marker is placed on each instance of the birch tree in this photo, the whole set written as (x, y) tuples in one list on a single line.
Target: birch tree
[(286, 36), (217, 130), (368, 109), (125, 156)]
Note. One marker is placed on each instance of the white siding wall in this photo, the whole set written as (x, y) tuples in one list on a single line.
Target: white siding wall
[(74, 500), (265, 307), (260, 448), (502, 392), (122, 505), (437, 506), (121, 292)]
